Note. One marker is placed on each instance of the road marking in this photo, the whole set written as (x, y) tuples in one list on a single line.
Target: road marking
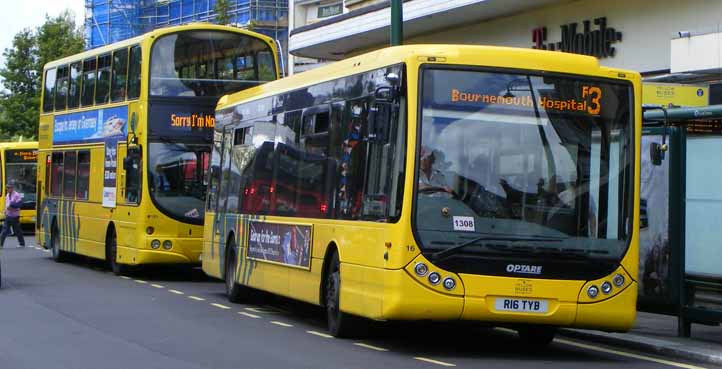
[(432, 361), (140, 281), (196, 298), (158, 285), (627, 354), (254, 316), (221, 306), (324, 335), (124, 277), (261, 310), (361, 344), (176, 292), (282, 324), (46, 251)]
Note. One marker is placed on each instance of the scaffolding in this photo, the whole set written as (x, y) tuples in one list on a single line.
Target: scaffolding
[(108, 21)]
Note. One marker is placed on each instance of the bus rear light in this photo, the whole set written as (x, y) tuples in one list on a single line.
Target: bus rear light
[(155, 244), (149, 230), (167, 245), (434, 278), (324, 208), (618, 280), (270, 189), (421, 269), (593, 291), (449, 283)]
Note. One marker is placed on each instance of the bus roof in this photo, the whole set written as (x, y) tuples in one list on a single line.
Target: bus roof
[(489, 56), (19, 145), (153, 34)]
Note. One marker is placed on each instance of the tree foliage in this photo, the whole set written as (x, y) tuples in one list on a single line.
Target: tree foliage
[(221, 9), (22, 73)]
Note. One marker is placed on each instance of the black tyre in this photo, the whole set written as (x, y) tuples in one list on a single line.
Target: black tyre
[(235, 292), (111, 253), (537, 336), (57, 254), (340, 324)]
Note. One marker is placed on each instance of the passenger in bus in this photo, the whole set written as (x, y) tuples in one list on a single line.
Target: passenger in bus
[(429, 176), (162, 184)]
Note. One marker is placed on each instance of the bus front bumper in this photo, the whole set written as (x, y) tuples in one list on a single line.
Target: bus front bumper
[(183, 251)]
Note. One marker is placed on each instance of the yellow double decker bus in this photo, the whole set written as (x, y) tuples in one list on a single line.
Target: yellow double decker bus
[(434, 182), (125, 137), (19, 167)]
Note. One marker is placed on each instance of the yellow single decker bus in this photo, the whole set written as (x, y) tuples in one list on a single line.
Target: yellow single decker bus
[(125, 138), (434, 182), (19, 167)]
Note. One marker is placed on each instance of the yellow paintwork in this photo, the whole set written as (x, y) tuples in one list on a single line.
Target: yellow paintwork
[(86, 233), (386, 288), (26, 216)]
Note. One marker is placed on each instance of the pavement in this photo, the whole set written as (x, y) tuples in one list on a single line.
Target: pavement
[(657, 334)]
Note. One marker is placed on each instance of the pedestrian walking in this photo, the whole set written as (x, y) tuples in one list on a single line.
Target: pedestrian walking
[(13, 201)]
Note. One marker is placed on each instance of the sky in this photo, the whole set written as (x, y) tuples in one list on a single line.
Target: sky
[(15, 15)]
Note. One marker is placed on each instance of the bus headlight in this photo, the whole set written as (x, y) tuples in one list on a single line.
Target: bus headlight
[(155, 244), (618, 280), (449, 283), (167, 244), (421, 269), (434, 278), (606, 288), (593, 291)]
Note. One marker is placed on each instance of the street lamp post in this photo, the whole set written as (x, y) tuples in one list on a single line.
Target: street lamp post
[(397, 22)]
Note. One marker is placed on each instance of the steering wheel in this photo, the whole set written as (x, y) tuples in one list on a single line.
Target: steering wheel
[(435, 189)]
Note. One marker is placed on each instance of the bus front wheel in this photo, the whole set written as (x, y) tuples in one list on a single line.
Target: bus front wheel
[(234, 291), (111, 247), (340, 324)]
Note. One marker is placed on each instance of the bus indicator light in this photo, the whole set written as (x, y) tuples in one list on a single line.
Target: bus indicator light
[(606, 288), (421, 269), (434, 278), (593, 291), (149, 230)]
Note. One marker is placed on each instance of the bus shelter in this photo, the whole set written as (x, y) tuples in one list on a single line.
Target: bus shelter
[(680, 268)]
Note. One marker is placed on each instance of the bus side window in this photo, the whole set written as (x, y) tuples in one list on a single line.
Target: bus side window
[(74, 89), (61, 88), (102, 87), (132, 166), (49, 94), (351, 159), (119, 80), (134, 72), (214, 172), (83, 178), (88, 86), (69, 169), (56, 176)]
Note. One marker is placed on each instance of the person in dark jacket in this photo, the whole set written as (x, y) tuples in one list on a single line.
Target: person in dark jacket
[(13, 202)]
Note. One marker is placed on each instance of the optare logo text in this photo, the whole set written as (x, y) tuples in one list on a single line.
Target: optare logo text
[(524, 269)]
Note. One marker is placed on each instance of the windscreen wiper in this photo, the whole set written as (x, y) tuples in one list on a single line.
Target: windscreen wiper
[(443, 254)]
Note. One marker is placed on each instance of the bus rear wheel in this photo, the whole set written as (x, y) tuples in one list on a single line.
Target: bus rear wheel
[(57, 254), (235, 292), (537, 336), (340, 324)]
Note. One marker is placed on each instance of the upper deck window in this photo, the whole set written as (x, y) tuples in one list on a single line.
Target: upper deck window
[(209, 63)]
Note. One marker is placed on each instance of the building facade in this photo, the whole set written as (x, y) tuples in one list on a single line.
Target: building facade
[(108, 21), (668, 41)]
